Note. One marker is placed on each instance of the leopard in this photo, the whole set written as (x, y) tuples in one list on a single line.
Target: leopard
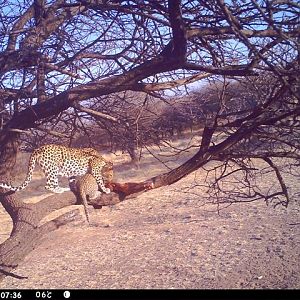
[(87, 188), (56, 160)]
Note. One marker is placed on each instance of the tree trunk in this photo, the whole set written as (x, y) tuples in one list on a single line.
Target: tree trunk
[(27, 231), (134, 157)]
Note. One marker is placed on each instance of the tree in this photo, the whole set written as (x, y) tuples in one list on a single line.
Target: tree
[(134, 113), (58, 55)]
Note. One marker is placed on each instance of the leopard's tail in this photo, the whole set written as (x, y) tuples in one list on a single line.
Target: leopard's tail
[(31, 166), (83, 197)]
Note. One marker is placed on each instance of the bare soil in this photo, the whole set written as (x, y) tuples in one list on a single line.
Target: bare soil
[(166, 238)]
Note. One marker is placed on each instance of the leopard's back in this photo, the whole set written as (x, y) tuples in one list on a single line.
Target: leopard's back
[(86, 185), (68, 161)]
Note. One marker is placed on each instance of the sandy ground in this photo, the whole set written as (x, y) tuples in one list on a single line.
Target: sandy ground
[(167, 239)]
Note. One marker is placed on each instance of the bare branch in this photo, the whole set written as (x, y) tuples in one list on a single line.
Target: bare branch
[(147, 87), (94, 113), (280, 180)]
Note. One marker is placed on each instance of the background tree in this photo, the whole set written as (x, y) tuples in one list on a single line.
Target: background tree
[(58, 57)]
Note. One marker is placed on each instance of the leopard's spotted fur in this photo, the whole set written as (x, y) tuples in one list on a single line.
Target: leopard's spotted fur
[(87, 188), (60, 160)]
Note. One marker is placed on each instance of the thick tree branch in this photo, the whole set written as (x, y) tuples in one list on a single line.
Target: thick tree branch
[(178, 29), (148, 87), (227, 32)]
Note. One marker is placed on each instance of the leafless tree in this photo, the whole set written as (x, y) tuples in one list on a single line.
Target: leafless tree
[(57, 56), (134, 113)]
